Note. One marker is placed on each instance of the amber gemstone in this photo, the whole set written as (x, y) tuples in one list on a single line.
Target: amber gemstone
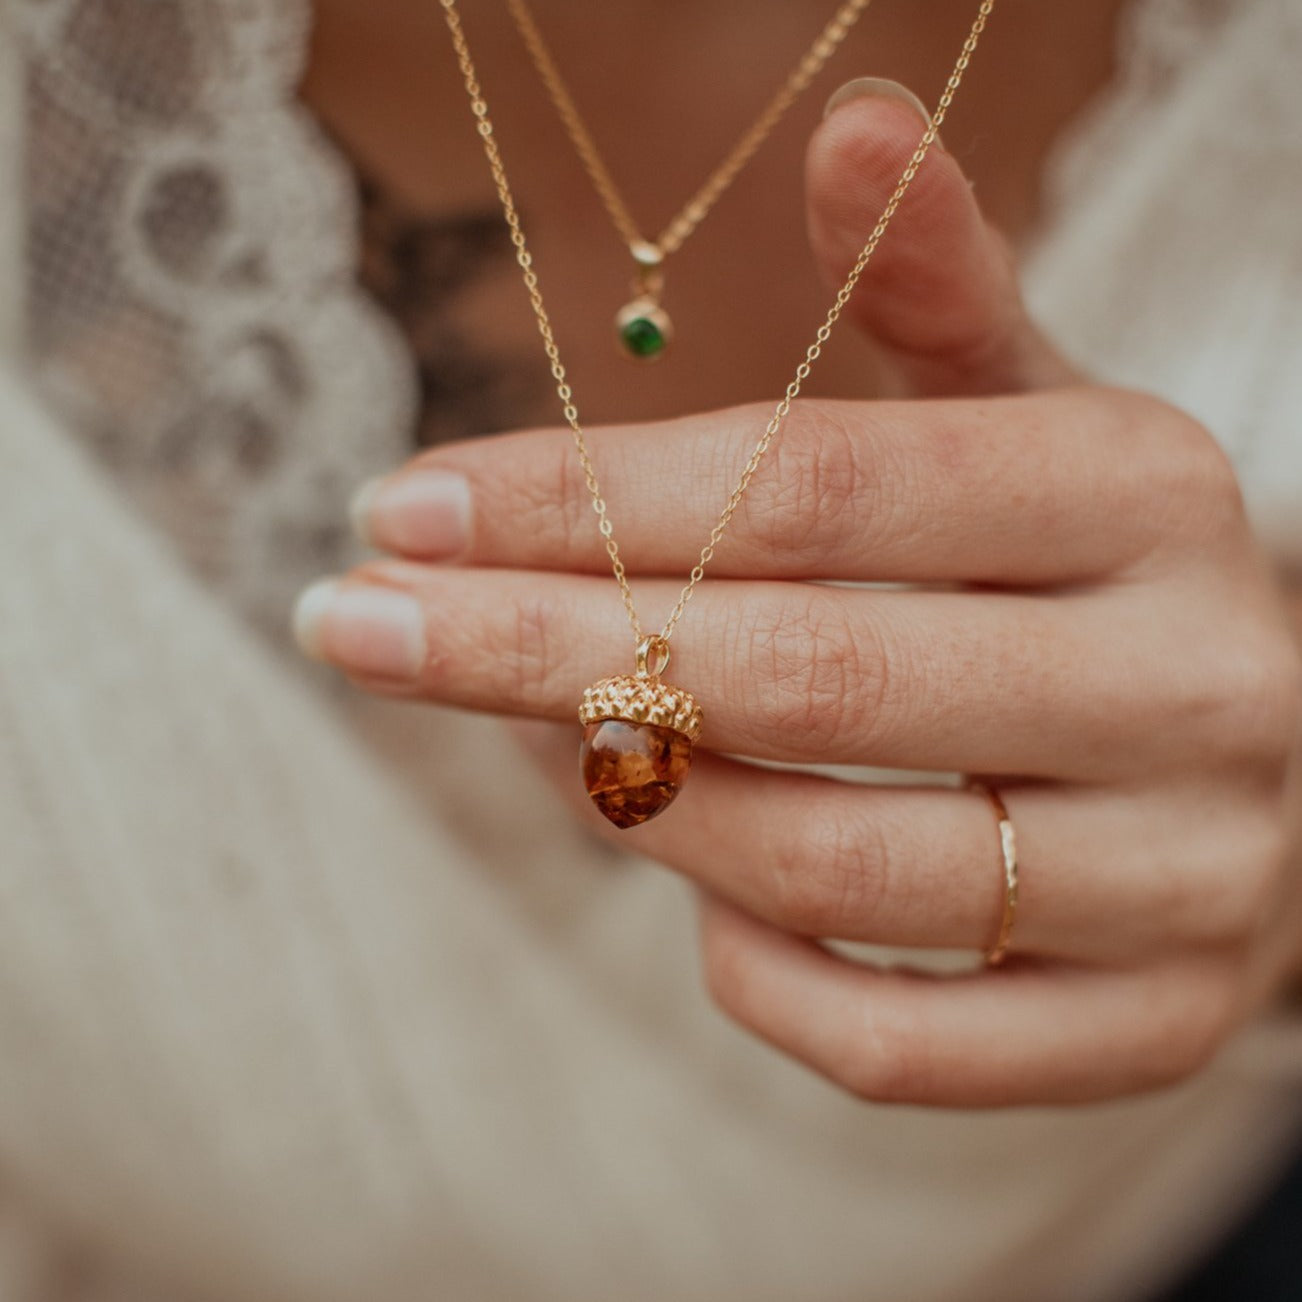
[(633, 770)]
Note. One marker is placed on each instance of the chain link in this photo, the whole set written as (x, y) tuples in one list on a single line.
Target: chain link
[(480, 109), (693, 212)]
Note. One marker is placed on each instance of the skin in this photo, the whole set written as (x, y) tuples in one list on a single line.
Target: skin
[(743, 290), (1091, 626)]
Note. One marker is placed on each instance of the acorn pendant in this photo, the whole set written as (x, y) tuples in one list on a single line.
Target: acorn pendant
[(637, 739)]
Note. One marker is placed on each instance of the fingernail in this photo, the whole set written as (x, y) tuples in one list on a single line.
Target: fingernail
[(420, 513), (874, 88), (374, 632)]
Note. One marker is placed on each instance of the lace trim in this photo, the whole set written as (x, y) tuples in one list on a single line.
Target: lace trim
[(192, 241)]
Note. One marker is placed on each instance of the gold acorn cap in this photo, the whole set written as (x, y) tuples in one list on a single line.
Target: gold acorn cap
[(637, 698)]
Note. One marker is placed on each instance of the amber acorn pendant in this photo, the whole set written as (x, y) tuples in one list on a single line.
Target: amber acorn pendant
[(637, 739)]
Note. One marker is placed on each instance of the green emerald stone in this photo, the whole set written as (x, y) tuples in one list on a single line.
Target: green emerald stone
[(642, 337)]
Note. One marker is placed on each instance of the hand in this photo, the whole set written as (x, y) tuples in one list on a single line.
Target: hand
[(1094, 630)]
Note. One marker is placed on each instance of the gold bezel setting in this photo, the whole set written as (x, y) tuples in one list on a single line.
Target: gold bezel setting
[(634, 698), (652, 342)]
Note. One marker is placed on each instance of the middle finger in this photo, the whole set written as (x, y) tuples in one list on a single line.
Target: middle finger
[(976, 682)]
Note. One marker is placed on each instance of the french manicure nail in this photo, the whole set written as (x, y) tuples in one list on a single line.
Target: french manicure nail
[(874, 87), (419, 513), (364, 630), (359, 510)]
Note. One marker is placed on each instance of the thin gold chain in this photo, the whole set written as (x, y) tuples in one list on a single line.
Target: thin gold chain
[(485, 127), (693, 212)]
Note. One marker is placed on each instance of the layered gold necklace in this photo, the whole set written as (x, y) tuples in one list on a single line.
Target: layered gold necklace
[(638, 730), (642, 326)]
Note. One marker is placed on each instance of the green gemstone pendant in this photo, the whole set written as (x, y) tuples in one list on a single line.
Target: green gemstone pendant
[(643, 330)]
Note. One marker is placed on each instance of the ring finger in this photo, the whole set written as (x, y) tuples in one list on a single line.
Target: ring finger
[(921, 867)]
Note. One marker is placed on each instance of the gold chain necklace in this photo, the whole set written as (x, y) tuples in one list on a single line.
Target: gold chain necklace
[(639, 731), (642, 326)]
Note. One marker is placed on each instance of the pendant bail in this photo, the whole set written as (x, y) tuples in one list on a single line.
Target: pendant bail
[(649, 284), (652, 656), (646, 254), (650, 279)]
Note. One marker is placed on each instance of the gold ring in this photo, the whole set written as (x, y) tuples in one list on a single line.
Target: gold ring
[(1008, 848)]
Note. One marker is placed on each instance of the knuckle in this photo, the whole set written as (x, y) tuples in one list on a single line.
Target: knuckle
[(816, 481), (1205, 1031), (885, 1067), (569, 515), (1191, 482), (830, 878), (525, 659), (1219, 492), (1248, 702), (1224, 907), (510, 653), (1189, 1039), (1274, 698), (723, 970), (550, 507), (1215, 887), (1252, 883), (822, 676)]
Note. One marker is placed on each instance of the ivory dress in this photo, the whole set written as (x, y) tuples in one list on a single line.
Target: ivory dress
[(276, 1022)]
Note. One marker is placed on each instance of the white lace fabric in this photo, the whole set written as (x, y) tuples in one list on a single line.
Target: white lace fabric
[(191, 262), (270, 1029)]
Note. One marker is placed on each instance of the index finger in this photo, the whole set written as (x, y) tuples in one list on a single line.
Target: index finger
[(1061, 487)]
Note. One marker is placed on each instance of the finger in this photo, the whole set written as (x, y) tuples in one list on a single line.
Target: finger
[(1065, 488), (989, 683), (1024, 1034), (1107, 876), (940, 295)]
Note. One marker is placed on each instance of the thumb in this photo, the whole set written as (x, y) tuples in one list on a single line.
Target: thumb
[(940, 295)]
